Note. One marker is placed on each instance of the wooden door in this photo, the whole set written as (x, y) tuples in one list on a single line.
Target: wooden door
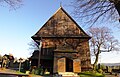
[(76, 65), (61, 65)]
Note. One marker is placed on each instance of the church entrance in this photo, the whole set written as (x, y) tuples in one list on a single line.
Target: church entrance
[(69, 65)]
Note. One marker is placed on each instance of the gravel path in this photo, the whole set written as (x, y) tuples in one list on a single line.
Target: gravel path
[(7, 76), (7, 71), (13, 71), (112, 75)]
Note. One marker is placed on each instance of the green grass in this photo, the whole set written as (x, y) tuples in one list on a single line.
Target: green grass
[(91, 74), (18, 72)]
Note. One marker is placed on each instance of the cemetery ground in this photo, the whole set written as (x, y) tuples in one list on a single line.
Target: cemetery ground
[(4, 70), (9, 71), (88, 74)]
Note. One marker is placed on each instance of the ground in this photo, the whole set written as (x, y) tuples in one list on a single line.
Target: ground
[(2, 70), (12, 71)]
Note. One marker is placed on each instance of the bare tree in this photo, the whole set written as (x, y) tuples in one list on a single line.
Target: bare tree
[(33, 45), (96, 10), (102, 41), (11, 3)]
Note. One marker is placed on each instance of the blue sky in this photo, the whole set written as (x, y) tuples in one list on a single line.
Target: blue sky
[(17, 27)]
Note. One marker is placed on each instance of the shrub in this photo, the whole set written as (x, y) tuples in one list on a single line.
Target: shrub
[(26, 65), (100, 71)]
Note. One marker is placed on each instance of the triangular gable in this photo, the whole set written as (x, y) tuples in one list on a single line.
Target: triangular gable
[(60, 24)]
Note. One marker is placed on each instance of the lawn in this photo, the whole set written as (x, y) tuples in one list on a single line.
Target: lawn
[(91, 74)]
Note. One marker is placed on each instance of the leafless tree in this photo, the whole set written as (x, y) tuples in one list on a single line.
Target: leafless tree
[(11, 3), (33, 45), (102, 41), (96, 10)]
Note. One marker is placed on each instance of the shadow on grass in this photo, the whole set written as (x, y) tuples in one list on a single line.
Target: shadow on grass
[(91, 74)]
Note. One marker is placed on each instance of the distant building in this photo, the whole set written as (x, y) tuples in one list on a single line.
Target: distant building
[(65, 46), (8, 59)]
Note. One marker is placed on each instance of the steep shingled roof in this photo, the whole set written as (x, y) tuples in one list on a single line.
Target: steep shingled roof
[(60, 25)]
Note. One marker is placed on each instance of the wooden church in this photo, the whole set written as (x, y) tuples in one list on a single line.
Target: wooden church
[(65, 46)]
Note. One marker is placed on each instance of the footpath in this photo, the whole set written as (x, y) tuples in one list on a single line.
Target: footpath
[(9, 71)]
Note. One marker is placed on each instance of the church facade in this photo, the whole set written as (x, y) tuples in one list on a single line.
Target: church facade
[(65, 46)]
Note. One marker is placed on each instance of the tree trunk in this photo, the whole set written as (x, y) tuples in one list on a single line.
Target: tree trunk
[(117, 6), (96, 60)]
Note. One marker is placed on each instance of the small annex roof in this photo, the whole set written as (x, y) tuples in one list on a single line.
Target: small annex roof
[(59, 25)]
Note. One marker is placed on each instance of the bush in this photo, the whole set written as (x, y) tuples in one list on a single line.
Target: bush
[(26, 65), (38, 71), (100, 71), (33, 71)]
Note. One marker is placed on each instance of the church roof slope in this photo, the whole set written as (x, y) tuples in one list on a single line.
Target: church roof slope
[(60, 24)]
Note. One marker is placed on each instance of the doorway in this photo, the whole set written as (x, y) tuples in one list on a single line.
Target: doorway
[(69, 65)]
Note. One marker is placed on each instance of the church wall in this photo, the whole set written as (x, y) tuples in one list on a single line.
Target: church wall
[(62, 36), (85, 56)]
